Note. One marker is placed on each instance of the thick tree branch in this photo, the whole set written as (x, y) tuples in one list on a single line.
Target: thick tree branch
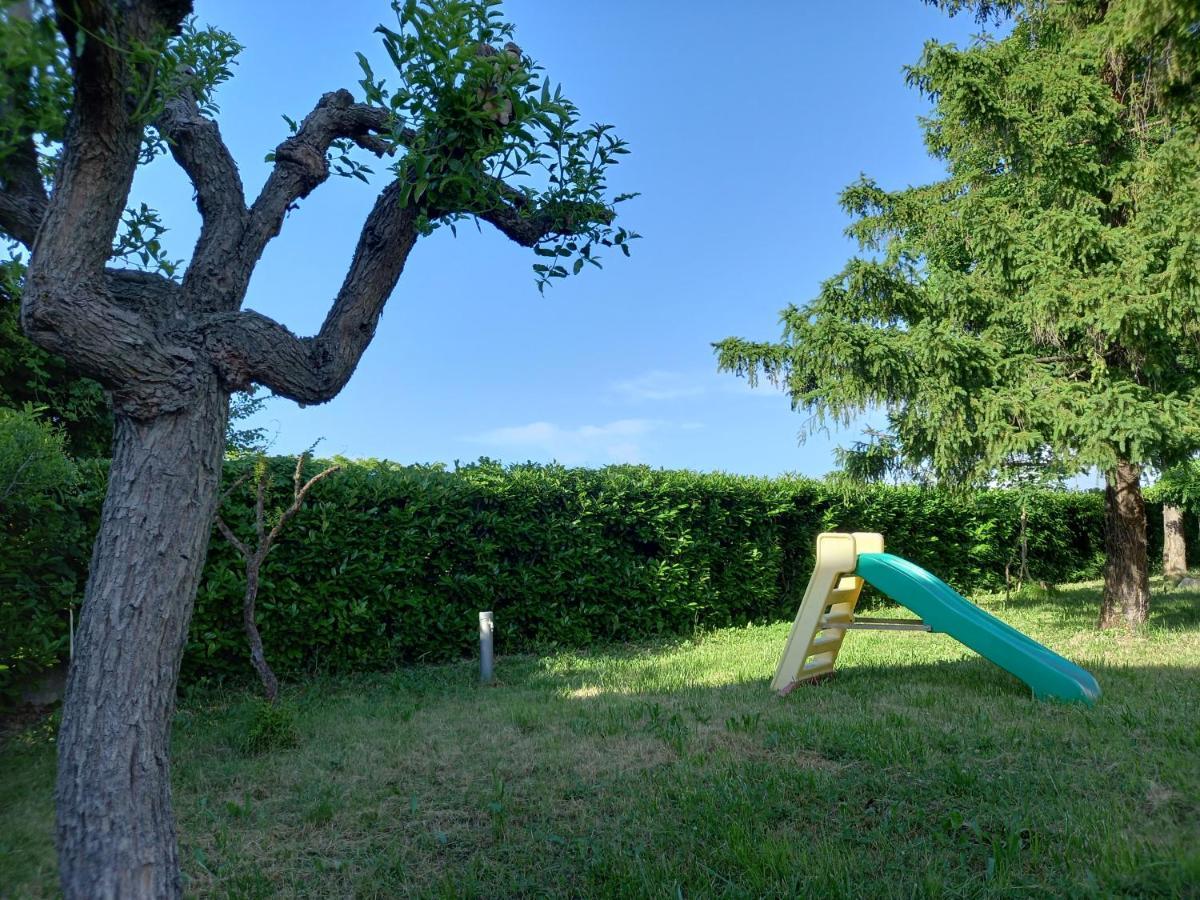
[(513, 216), (70, 304), (150, 295), (148, 373), (100, 148), (232, 237), (107, 324), (23, 199), (248, 347), (196, 144), (528, 228), (300, 163), (114, 330)]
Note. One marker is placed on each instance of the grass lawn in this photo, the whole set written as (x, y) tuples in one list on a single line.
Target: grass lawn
[(672, 771)]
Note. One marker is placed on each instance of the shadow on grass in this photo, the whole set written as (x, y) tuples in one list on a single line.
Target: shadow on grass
[(1175, 610), (1169, 606)]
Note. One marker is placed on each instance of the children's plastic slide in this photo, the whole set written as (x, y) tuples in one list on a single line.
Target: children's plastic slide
[(845, 561)]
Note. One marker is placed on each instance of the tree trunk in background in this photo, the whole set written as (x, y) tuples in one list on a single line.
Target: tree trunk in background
[(1174, 543), (116, 832), (1023, 572), (258, 657), (1126, 569)]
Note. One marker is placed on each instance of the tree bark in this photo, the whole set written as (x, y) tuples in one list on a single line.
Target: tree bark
[(1126, 570), (116, 834), (1174, 543)]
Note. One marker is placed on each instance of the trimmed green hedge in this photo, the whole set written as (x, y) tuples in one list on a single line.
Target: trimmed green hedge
[(45, 542), (391, 563)]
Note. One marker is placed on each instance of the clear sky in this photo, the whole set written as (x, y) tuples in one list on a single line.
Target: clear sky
[(745, 120)]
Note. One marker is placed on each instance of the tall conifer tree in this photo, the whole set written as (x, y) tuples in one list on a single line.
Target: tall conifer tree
[(1045, 295)]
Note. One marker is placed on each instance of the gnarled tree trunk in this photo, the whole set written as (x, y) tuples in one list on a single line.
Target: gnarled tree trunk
[(1174, 543), (116, 835), (1126, 570)]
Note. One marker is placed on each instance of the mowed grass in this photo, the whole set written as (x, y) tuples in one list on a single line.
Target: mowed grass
[(672, 771)]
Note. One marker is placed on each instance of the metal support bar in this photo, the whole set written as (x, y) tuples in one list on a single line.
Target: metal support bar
[(889, 625)]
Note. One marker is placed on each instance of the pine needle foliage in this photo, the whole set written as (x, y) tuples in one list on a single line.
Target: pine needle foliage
[(1046, 292)]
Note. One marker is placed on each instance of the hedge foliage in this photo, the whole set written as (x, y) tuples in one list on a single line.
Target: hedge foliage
[(48, 515), (391, 563)]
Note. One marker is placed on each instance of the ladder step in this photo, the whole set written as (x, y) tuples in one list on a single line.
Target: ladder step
[(826, 640), (815, 668)]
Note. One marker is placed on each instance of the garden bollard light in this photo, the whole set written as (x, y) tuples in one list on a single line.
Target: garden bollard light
[(485, 647)]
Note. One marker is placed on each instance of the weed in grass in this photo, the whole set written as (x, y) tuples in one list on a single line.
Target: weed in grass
[(320, 813), (699, 713), (604, 721), (243, 810), (249, 885), (272, 726), (527, 719), (745, 723), (497, 808)]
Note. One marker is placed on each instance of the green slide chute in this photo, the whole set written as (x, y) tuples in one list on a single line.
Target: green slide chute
[(944, 610)]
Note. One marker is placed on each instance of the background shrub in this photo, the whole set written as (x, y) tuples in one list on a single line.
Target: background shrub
[(390, 563), (48, 508)]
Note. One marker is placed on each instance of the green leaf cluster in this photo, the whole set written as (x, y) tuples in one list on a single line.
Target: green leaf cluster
[(139, 242), (1179, 485), (481, 127), (35, 84), (1043, 296), (242, 439), (34, 465)]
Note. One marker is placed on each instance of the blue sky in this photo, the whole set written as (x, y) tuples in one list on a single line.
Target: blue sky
[(745, 120)]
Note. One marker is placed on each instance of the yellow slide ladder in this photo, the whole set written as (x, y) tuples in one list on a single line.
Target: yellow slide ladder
[(827, 610)]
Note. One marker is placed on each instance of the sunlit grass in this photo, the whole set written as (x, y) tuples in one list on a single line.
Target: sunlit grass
[(672, 770)]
